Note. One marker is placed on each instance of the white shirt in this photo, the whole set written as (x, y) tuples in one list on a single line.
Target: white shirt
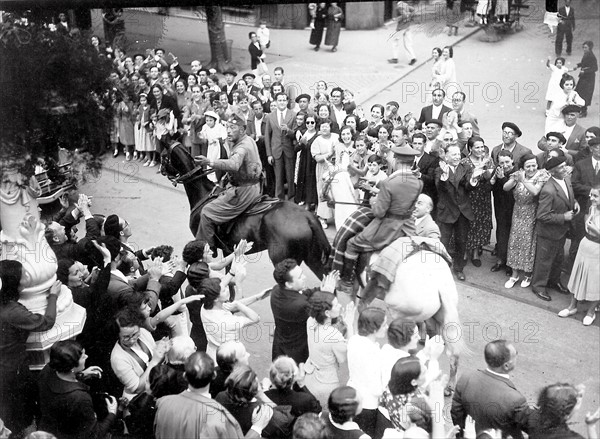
[(595, 164), (567, 131), (436, 110), (258, 127), (340, 115), (364, 369), (563, 186), (503, 375)]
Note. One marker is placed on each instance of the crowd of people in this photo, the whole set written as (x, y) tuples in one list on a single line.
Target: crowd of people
[(161, 357)]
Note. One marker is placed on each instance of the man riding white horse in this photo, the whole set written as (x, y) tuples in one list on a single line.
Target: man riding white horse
[(243, 187), (393, 213)]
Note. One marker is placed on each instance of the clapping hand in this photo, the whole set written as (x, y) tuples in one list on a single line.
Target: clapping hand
[(330, 281), (444, 167), (155, 268), (434, 347), (104, 251)]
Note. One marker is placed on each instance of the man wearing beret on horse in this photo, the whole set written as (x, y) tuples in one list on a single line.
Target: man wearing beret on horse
[(393, 213), (243, 187)]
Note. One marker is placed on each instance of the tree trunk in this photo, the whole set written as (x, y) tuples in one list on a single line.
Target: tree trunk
[(220, 56)]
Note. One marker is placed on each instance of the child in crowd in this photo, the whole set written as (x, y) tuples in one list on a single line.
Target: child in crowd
[(370, 182), (264, 35)]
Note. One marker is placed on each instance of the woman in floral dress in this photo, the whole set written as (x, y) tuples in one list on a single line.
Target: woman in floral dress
[(480, 229), (526, 184)]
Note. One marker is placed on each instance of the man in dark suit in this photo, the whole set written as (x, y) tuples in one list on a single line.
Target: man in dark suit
[(280, 150), (289, 304), (566, 26), (230, 86), (256, 130), (454, 212), (256, 53), (510, 133), (425, 166), (489, 396), (586, 175), (556, 209), (437, 109)]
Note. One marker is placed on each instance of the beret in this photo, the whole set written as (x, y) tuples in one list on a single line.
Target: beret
[(513, 127), (303, 96), (571, 109), (230, 72), (558, 135), (251, 75), (435, 121), (554, 162)]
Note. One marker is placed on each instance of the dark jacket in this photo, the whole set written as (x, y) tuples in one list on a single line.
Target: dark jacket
[(300, 398), (492, 401), (553, 204), (16, 322), (290, 312), (67, 409), (453, 196)]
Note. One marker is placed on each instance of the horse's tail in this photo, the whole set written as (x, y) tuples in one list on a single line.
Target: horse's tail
[(318, 254), (452, 330)]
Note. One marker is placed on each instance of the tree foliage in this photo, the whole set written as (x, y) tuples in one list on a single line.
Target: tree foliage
[(53, 85)]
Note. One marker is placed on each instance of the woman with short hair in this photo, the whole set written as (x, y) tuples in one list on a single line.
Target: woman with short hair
[(285, 390), (65, 401), (327, 348)]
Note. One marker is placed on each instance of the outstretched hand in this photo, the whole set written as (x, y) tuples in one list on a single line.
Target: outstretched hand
[(201, 160), (330, 281)]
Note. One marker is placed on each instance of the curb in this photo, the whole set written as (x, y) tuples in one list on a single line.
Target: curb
[(418, 65)]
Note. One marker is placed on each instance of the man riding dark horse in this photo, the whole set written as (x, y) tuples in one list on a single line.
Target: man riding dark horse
[(243, 186)]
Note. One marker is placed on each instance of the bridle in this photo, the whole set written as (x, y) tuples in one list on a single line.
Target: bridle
[(167, 169)]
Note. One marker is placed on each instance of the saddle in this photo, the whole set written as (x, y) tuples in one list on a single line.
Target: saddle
[(261, 205)]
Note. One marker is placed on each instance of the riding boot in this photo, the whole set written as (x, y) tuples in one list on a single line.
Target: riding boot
[(347, 275)]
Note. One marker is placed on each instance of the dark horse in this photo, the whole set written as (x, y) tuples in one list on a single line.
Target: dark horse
[(285, 230)]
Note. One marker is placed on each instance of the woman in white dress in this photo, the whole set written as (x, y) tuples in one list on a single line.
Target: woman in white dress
[(327, 347), (322, 150), (583, 282), (436, 69), (558, 70), (554, 119), (447, 76), (342, 189)]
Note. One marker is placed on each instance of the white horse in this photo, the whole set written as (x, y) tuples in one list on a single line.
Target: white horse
[(424, 291), (341, 192)]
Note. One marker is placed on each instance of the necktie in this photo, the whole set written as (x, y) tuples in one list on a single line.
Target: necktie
[(280, 118)]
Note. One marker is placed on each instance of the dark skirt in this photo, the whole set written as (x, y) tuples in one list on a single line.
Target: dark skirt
[(306, 187), (332, 36), (316, 35), (585, 87)]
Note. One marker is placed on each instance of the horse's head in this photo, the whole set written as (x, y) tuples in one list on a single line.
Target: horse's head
[(175, 162)]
